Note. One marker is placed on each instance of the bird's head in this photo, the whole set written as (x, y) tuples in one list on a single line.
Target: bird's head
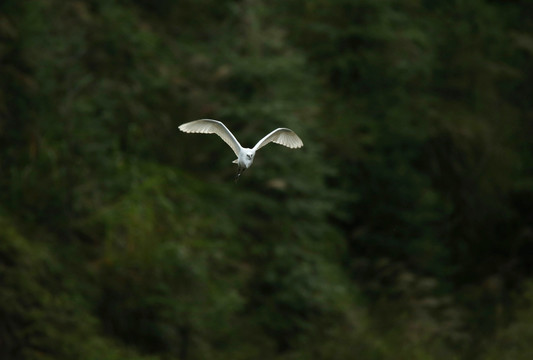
[(249, 157)]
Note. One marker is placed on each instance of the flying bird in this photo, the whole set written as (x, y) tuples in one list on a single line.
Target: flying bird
[(245, 156)]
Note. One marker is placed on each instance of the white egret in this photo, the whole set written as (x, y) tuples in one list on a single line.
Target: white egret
[(245, 156)]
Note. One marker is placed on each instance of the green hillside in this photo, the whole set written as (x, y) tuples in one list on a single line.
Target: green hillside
[(402, 230)]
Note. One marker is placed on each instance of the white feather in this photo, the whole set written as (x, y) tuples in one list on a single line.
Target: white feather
[(281, 136), (208, 126), (245, 156)]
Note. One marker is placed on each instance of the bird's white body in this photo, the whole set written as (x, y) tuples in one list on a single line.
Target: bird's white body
[(245, 156)]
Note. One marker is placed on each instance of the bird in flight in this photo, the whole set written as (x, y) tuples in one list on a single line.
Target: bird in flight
[(245, 156)]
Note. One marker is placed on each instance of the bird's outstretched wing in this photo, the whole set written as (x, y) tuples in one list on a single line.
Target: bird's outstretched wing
[(282, 136), (208, 126)]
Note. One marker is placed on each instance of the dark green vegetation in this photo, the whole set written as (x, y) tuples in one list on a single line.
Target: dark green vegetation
[(402, 230)]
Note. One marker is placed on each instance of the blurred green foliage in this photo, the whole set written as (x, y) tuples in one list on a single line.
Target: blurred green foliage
[(402, 230)]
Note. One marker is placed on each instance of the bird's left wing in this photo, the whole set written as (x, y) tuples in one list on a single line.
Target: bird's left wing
[(281, 136), (208, 126)]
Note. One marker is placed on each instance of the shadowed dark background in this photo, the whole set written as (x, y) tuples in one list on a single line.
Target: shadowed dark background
[(403, 229)]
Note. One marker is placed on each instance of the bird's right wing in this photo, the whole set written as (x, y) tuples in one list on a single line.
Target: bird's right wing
[(282, 136), (208, 126)]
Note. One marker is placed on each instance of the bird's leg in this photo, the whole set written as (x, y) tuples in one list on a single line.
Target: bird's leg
[(239, 172)]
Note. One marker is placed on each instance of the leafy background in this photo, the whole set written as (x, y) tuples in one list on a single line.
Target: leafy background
[(402, 230)]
